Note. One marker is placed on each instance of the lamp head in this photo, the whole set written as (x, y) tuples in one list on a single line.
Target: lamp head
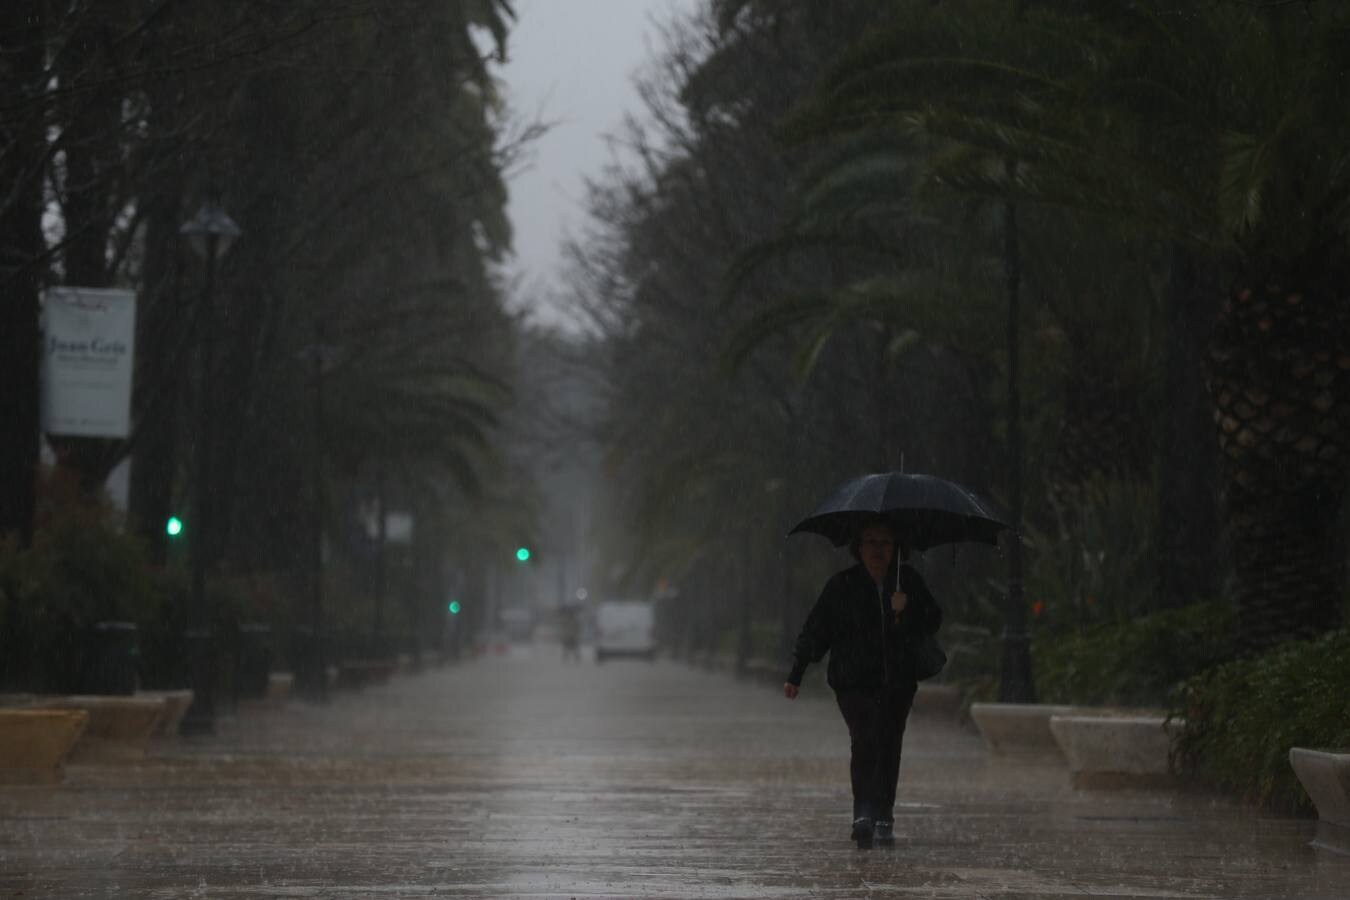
[(211, 232)]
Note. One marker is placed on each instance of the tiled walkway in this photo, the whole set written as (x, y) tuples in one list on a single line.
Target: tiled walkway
[(526, 777)]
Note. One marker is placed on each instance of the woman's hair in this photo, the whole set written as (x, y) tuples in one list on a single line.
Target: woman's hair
[(879, 521)]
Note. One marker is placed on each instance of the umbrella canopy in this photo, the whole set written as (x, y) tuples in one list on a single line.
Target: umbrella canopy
[(924, 510)]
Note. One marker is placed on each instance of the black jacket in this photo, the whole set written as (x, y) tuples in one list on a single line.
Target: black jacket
[(854, 623)]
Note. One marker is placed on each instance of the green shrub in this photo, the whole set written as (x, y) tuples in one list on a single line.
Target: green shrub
[(1242, 718), (1087, 564), (1138, 662), (80, 569), (973, 653), (81, 564), (93, 572)]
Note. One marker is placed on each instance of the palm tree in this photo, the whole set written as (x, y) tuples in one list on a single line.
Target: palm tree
[(866, 189), (1217, 130)]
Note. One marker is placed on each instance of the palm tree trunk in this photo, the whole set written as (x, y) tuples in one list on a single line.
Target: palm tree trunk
[(1280, 377), (1186, 513)]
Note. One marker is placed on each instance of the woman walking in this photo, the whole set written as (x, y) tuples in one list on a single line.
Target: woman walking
[(868, 618)]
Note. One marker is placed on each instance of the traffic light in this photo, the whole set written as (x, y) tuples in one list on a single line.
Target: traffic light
[(454, 607), (173, 527), (523, 554)]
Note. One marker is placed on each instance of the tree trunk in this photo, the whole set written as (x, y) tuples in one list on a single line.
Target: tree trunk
[(89, 140), (1280, 377), (162, 316), (745, 610), (381, 536), (1187, 515), (159, 365), (787, 608), (21, 164)]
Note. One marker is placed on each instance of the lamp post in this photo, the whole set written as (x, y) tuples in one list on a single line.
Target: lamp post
[(210, 233), (1016, 684), (321, 357)]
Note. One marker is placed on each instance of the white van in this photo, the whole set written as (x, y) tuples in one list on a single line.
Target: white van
[(625, 628)]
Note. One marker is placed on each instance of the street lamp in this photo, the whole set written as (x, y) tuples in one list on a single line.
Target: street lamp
[(210, 233), (321, 358)]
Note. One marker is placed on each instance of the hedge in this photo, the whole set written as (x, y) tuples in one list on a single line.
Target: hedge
[(1138, 662), (1242, 718)]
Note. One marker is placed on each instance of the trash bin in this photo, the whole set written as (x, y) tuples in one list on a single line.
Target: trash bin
[(113, 660), (254, 661), (201, 652), (303, 657)]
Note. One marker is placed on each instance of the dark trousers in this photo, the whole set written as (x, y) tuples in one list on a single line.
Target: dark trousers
[(876, 727)]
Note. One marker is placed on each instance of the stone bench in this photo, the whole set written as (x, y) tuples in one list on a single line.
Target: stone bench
[(34, 743), (1325, 775), (937, 700), (1116, 750), (119, 727), (1019, 729), (176, 705)]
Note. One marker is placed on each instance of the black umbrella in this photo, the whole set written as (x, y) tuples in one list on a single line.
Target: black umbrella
[(924, 510)]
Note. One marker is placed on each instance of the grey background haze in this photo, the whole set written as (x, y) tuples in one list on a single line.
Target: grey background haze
[(571, 63)]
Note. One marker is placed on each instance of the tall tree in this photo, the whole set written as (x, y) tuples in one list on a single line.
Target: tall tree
[(1131, 113), (23, 159)]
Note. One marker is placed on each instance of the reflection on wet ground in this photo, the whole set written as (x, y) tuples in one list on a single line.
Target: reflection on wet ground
[(528, 777)]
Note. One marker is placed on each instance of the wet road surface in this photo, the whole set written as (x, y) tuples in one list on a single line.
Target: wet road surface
[(523, 776)]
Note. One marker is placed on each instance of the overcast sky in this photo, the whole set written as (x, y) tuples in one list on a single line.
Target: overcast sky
[(571, 63)]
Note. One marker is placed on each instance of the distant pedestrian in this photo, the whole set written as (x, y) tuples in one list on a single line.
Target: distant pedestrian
[(570, 629), (867, 618)]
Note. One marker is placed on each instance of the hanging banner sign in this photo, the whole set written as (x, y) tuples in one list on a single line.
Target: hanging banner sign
[(88, 347)]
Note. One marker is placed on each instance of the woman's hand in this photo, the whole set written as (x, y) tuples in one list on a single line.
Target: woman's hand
[(899, 600), (790, 690)]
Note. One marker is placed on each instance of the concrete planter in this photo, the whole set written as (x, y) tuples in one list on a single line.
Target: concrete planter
[(937, 700), (279, 687), (1108, 750), (34, 743), (176, 704), (119, 727), (111, 655), (1019, 729), (254, 662), (765, 671), (1325, 775), (356, 674)]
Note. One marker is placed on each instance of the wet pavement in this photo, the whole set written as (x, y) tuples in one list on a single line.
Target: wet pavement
[(523, 776)]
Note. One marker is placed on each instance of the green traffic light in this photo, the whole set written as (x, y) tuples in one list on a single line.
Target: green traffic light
[(173, 527), (454, 607), (523, 554)]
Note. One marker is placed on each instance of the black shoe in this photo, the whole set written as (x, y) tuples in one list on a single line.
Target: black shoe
[(884, 832), (862, 833)]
